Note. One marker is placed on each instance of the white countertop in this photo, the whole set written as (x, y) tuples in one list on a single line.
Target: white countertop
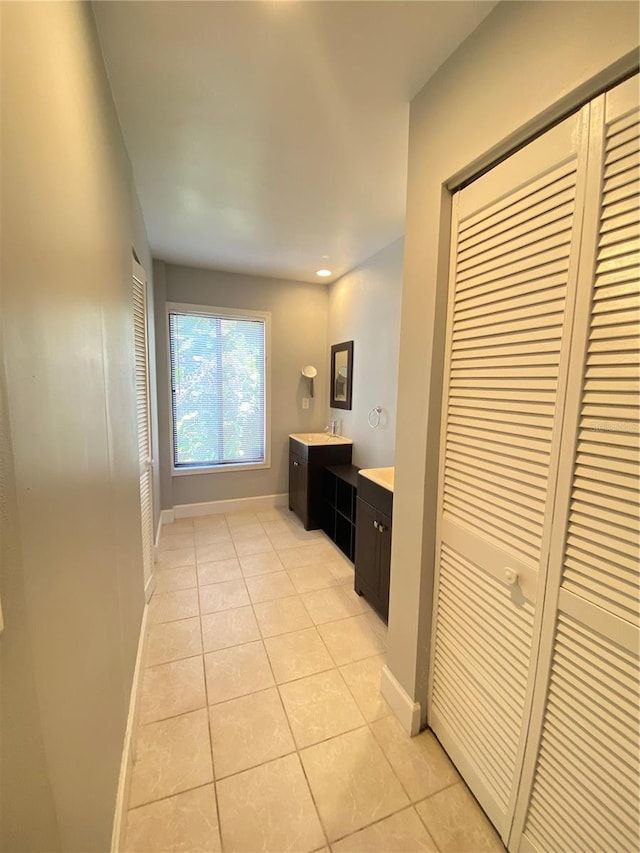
[(382, 476), (316, 438)]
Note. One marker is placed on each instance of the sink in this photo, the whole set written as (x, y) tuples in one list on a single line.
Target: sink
[(313, 438), (382, 476)]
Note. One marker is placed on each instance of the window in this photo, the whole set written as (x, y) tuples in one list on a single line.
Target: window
[(218, 361)]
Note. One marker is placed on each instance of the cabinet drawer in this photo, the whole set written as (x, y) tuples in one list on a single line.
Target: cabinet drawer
[(375, 495)]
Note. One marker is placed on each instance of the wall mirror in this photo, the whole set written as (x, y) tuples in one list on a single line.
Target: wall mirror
[(341, 375)]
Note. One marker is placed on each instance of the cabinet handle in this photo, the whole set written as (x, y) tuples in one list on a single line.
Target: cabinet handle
[(295, 464), (375, 524), (381, 528)]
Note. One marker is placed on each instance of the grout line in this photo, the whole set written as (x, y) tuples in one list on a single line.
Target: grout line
[(206, 698), (380, 820), (424, 823), (170, 796)]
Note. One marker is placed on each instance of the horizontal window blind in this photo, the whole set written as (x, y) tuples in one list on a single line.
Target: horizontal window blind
[(217, 389)]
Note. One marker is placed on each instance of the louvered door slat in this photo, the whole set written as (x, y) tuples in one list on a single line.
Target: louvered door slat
[(617, 152), (523, 447), (575, 761), (479, 491), (599, 560), (517, 250), (587, 494), (529, 505), (547, 261), (546, 192), (498, 291), (544, 223), (620, 235), (629, 161), (624, 178), (508, 300), (595, 510)]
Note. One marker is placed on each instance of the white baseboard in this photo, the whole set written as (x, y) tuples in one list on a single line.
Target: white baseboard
[(156, 543), (128, 748), (254, 504), (166, 517), (149, 587), (406, 710)]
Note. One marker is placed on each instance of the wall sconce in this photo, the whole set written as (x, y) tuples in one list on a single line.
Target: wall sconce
[(309, 372)]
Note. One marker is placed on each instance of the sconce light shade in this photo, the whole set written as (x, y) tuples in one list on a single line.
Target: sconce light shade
[(309, 372)]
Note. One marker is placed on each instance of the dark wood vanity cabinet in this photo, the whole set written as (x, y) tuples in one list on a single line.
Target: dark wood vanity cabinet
[(373, 544), (306, 472)]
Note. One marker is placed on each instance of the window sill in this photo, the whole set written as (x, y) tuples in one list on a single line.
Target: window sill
[(219, 469)]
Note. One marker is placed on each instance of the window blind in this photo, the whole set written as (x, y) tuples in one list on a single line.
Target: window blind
[(217, 389)]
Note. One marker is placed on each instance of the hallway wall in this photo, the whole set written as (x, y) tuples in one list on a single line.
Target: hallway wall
[(364, 307), (71, 575)]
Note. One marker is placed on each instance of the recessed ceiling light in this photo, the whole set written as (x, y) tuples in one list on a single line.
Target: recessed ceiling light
[(323, 273)]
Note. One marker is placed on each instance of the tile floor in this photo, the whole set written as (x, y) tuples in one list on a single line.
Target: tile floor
[(261, 725)]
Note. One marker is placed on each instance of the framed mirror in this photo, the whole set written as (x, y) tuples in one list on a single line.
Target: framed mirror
[(341, 375)]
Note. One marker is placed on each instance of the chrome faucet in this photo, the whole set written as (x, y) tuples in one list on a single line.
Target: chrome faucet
[(332, 429)]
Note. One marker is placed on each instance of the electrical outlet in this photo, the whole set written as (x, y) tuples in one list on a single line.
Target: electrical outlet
[(305, 402)]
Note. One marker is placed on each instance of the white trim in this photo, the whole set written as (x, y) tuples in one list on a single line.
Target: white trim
[(232, 313), (149, 587), (128, 748), (407, 711), (166, 517), (260, 502), (156, 544), (219, 469)]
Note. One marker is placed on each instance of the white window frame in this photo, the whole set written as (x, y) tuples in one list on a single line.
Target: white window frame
[(231, 314)]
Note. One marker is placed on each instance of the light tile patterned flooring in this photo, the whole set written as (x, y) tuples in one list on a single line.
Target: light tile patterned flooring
[(261, 725)]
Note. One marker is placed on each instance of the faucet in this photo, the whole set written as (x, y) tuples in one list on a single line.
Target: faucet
[(332, 429)]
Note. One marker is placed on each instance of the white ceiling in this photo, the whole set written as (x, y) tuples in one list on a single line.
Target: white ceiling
[(271, 137)]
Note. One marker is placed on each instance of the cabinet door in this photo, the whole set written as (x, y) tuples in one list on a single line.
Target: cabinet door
[(514, 264), (384, 563), (298, 487), (366, 563)]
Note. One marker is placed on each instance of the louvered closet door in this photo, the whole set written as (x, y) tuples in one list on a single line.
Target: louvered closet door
[(584, 741), (143, 422), (514, 268)]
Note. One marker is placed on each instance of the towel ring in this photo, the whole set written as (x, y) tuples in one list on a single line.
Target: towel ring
[(374, 417)]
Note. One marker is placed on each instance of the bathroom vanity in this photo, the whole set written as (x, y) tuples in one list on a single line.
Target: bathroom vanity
[(373, 537), (309, 454)]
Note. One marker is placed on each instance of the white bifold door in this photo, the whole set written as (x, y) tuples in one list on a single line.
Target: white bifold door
[(143, 420), (534, 676)]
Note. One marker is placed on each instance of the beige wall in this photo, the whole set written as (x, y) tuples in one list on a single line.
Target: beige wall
[(364, 307), (71, 575), (524, 66), (298, 337)]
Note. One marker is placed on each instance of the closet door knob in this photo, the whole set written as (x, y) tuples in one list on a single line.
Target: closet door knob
[(381, 528), (510, 575), (375, 524)]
